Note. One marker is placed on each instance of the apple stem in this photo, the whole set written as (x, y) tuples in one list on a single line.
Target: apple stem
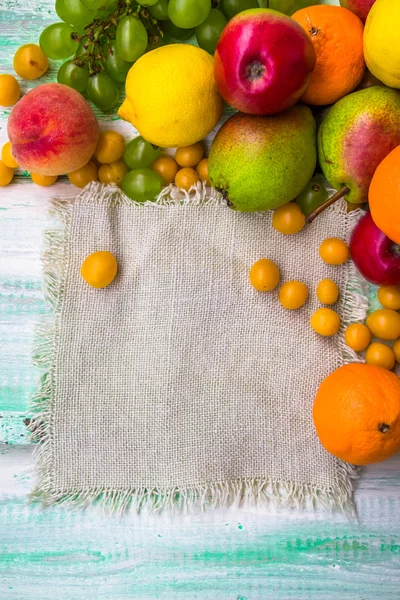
[(342, 192)]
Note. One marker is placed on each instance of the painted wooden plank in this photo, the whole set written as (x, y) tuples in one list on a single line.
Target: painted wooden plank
[(234, 553), (23, 220)]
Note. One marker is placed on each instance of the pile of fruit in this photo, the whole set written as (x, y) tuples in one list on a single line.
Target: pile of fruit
[(382, 324), (137, 167), (316, 93), (99, 40)]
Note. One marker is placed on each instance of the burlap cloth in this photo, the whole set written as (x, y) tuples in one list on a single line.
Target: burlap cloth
[(180, 384)]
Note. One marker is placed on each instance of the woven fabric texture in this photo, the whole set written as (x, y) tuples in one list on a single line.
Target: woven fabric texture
[(180, 383)]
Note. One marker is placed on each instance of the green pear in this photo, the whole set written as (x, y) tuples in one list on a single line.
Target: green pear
[(260, 163)]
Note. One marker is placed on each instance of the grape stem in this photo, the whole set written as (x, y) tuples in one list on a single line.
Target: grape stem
[(102, 31)]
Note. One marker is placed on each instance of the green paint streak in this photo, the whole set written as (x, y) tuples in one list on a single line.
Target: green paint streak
[(13, 398), (276, 547), (393, 548), (40, 557)]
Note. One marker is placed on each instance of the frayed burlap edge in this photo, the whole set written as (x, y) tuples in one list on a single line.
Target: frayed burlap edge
[(208, 495)]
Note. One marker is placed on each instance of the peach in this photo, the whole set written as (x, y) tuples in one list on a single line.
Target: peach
[(52, 130)]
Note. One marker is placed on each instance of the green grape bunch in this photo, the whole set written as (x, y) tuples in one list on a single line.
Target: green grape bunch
[(101, 39)]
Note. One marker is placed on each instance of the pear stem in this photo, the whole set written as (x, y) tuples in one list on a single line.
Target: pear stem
[(345, 190)]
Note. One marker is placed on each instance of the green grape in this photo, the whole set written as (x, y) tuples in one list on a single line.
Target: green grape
[(73, 76), (208, 32), (99, 5), (140, 153), (116, 67), (146, 2), (56, 41), (316, 192), (131, 38), (290, 6), (188, 13), (230, 8), (102, 91), (142, 184), (159, 10), (177, 33), (284, 6), (74, 12)]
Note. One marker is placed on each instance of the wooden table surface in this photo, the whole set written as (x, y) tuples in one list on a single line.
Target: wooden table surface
[(236, 554)]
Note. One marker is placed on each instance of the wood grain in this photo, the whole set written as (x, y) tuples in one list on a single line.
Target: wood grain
[(244, 553), (236, 554)]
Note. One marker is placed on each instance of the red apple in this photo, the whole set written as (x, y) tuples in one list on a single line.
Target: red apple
[(263, 62), (374, 254)]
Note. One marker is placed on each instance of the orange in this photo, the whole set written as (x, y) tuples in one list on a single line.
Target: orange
[(99, 269), (337, 36), (357, 414), (264, 275), (384, 196)]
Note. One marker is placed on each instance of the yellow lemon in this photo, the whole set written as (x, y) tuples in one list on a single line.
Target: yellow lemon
[(171, 96), (382, 41), (99, 269)]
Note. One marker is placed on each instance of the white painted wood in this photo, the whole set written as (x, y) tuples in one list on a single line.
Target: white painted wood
[(236, 554)]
